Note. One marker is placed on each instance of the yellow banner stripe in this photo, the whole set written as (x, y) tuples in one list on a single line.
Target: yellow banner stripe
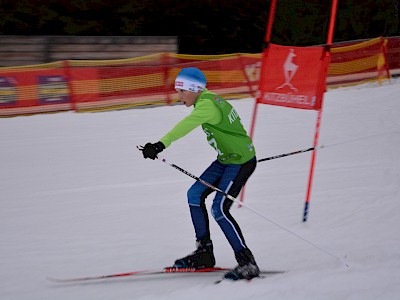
[(357, 46), (57, 64)]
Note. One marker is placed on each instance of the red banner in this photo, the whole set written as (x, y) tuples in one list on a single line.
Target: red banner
[(293, 76)]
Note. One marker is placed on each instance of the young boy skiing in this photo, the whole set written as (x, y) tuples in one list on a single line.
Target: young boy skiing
[(234, 165)]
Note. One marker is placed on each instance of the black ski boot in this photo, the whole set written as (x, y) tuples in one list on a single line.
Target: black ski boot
[(202, 258), (247, 268)]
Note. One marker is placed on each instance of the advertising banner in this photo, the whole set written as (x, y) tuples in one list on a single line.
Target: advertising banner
[(293, 76)]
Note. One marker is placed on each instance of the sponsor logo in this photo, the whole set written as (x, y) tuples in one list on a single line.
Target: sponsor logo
[(8, 90), (253, 72), (52, 89), (218, 99), (178, 83), (192, 87), (290, 98), (289, 70)]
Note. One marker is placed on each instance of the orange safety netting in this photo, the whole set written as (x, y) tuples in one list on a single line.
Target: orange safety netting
[(93, 85), (359, 62)]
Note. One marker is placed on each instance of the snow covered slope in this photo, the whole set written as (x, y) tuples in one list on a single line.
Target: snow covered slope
[(78, 199)]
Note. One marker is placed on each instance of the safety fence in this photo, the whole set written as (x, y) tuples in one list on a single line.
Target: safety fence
[(95, 85)]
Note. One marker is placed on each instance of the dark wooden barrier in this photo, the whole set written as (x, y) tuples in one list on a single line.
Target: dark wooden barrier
[(31, 50)]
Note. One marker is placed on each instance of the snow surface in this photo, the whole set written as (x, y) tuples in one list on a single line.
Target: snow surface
[(78, 199)]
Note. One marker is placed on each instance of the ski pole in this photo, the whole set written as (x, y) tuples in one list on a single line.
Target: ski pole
[(140, 148), (233, 199), (200, 180), (289, 153)]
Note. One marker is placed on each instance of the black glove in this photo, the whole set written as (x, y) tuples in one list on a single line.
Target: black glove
[(151, 150)]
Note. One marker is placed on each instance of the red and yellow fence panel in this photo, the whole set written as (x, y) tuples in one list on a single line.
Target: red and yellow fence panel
[(102, 85), (34, 89), (358, 63)]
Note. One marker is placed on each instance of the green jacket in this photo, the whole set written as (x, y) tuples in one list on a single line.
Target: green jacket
[(222, 126)]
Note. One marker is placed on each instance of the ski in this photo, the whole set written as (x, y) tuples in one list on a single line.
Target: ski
[(168, 270)]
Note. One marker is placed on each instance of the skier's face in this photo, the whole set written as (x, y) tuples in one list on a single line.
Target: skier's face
[(188, 98)]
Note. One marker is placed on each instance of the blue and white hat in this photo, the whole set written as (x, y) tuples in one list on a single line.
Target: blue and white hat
[(190, 79)]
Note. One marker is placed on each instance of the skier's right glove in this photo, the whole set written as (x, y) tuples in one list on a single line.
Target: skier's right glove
[(151, 150)]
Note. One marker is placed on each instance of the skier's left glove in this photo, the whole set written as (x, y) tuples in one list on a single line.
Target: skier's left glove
[(151, 150)]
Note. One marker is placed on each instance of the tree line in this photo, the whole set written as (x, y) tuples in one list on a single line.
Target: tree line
[(203, 26)]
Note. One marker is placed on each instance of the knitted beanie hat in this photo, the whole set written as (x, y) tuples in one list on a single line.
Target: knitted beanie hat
[(190, 79)]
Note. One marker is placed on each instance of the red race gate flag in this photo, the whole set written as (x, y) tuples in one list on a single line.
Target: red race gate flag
[(293, 76)]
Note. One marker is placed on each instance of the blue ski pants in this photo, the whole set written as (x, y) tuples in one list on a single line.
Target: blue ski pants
[(230, 178)]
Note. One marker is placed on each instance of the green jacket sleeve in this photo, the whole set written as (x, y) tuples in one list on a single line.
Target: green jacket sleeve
[(204, 112)]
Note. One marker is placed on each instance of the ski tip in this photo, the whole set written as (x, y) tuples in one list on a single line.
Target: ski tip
[(57, 280)]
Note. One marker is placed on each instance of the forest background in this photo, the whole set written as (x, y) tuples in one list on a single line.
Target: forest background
[(203, 26)]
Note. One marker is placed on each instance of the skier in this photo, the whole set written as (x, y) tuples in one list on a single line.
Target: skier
[(234, 165)]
